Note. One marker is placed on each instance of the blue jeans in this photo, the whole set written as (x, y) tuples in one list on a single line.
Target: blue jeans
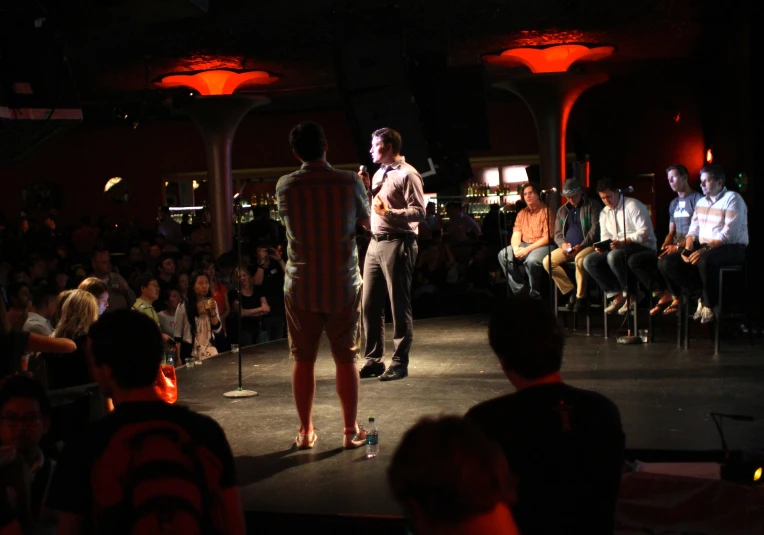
[(534, 265), (609, 269)]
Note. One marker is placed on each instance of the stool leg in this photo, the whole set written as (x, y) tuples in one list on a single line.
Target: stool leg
[(635, 311), (686, 319), (718, 319), (679, 316), (604, 314)]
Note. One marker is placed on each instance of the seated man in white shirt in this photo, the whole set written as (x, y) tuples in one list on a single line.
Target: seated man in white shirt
[(608, 267), (43, 310), (718, 237)]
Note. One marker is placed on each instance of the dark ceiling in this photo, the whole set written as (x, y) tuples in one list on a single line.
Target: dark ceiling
[(116, 48)]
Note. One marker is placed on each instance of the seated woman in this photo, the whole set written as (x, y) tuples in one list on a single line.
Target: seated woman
[(71, 414), (251, 306), (197, 321), (78, 313)]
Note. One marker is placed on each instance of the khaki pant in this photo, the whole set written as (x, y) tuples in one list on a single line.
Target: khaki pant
[(343, 329), (561, 278)]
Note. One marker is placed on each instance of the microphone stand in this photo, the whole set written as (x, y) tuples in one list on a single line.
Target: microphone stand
[(239, 392), (628, 339), (506, 247), (552, 288)]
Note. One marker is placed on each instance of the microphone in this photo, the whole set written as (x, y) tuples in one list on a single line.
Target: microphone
[(550, 190), (363, 169), (630, 189), (736, 417)]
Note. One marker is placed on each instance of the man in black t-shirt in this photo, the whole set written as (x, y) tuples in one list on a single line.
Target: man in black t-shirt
[(268, 275), (146, 451), (565, 445)]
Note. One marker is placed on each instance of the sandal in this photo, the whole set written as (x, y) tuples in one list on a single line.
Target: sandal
[(660, 305), (306, 441), (673, 308)]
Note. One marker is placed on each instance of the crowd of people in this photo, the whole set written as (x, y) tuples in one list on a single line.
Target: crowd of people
[(97, 326), (59, 285)]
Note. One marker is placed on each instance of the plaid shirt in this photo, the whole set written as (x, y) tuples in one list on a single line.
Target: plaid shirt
[(319, 207)]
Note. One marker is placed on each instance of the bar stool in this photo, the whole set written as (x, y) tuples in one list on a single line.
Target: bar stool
[(684, 312), (570, 270), (633, 312)]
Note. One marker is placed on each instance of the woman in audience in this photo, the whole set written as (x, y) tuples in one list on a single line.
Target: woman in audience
[(78, 313), (98, 289), (167, 316), (60, 300), (55, 372), (251, 306), (220, 295), (183, 285), (197, 321)]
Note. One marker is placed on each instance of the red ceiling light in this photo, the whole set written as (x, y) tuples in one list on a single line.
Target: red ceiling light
[(709, 156), (216, 82), (557, 58)]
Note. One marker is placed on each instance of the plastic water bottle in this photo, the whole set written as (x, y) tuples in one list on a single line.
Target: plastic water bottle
[(372, 440), (169, 358)]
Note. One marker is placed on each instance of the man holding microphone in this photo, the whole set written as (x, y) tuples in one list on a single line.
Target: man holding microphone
[(397, 197)]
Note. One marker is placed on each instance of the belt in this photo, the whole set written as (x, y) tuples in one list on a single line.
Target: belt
[(390, 237)]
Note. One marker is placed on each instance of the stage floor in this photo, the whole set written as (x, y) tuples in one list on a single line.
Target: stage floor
[(664, 395)]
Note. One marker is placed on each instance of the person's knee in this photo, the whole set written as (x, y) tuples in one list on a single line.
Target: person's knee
[(615, 258), (590, 261), (665, 263)]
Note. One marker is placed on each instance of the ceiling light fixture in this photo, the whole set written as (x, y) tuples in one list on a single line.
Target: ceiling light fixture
[(217, 81), (557, 58)]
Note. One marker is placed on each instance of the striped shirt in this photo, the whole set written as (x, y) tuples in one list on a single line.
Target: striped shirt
[(724, 218), (319, 207)]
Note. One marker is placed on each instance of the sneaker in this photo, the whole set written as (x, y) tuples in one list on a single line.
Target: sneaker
[(699, 312), (706, 315), (353, 439), (615, 304), (629, 302), (306, 441)]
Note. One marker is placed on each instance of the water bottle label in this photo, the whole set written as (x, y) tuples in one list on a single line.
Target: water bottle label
[(372, 440)]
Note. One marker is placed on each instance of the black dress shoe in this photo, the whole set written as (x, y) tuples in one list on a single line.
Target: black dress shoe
[(393, 373), (371, 370), (571, 304)]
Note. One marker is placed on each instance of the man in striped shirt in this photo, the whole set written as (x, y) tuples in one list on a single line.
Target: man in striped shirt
[(718, 237), (320, 207)]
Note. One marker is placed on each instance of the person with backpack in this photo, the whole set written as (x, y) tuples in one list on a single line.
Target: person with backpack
[(148, 467)]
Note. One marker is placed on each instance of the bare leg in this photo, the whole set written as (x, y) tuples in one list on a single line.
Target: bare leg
[(303, 389), (348, 383)]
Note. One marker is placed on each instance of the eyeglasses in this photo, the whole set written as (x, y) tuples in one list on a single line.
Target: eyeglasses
[(27, 420)]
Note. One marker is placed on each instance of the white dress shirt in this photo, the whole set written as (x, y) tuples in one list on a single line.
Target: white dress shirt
[(639, 227)]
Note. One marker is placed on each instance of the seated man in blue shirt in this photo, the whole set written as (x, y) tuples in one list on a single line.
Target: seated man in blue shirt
[(576, 230)]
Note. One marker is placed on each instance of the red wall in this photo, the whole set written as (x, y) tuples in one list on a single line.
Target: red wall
[(626, 126)]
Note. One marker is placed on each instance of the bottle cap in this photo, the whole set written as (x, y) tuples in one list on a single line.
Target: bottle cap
[(371, 419)]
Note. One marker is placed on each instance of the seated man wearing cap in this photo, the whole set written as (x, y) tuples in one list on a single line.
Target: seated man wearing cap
[(576, 230)]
